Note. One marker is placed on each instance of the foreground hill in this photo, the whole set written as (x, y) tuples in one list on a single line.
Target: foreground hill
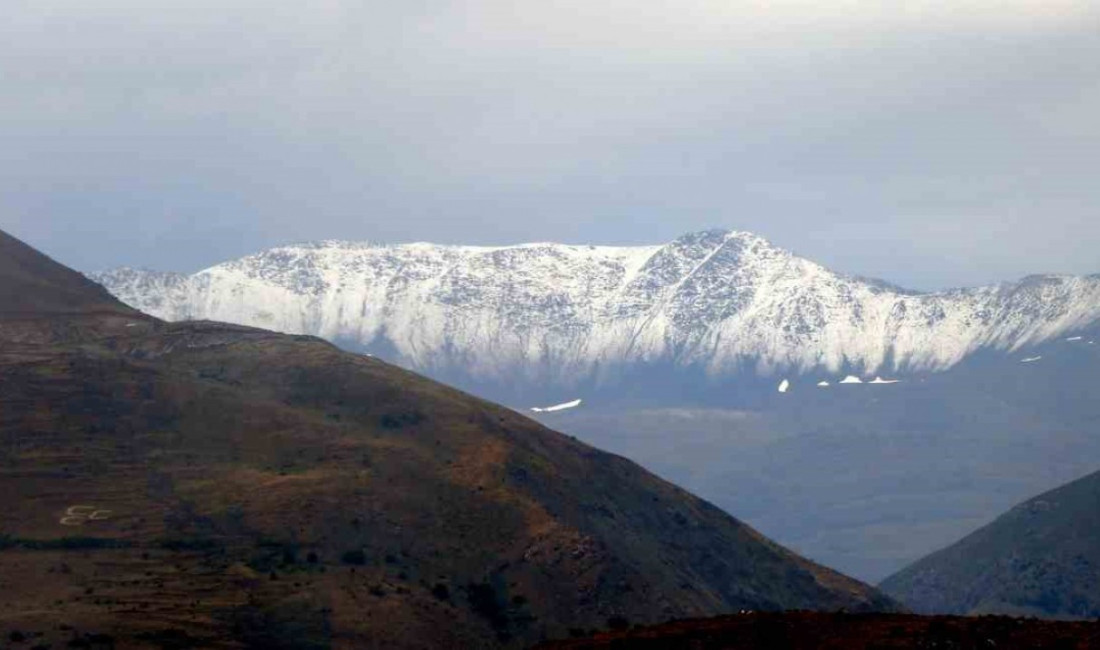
[(34, 285), (1042, 558), (816, 631), (205, 483), (518, 323)]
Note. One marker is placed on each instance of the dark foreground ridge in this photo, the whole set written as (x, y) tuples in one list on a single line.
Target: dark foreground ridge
[(207, 485), (821, 631), (32, 284)]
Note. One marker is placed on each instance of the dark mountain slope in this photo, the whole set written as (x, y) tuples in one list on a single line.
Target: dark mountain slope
[(198, 482), (33, 284), (1041, 558)]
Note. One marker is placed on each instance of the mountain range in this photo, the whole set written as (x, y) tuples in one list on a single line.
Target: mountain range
[(536, 321), (673, 354), (201, 484)]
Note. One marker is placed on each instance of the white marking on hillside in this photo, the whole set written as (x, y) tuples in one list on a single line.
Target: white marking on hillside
[(851, 379), (558, 407), (80, 515), (1030, 359), (784, 386), (880, 380)]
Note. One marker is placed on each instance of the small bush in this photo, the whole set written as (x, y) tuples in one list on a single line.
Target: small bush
[(484, 601), (400, 420), (618, 623), (191, 544), (356, 557), (441, 591)]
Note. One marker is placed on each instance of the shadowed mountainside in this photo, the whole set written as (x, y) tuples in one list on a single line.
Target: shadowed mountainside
[(201, 483), (1042, 558)]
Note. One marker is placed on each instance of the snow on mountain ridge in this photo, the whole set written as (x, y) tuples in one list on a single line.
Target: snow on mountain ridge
[(720, 300)]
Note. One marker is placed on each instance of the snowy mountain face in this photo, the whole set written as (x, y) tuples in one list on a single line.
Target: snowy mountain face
[(724, 303)]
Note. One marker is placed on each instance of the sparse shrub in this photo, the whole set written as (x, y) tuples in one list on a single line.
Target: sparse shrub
[(171, 639), (441, 591), (484, 601), (356, 557), (618, 623), (400, 420), (190, 544)]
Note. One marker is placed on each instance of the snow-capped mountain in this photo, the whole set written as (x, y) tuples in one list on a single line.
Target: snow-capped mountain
[(716, 301)]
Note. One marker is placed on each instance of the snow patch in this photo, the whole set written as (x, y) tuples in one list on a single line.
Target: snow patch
[(822, 384), (784, 386), (1075, 338), (851, 379), (1030, 359), (558, 407), (880, 380)]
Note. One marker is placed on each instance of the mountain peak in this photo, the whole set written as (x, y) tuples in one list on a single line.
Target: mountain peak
[(32, 284), (718, 301)]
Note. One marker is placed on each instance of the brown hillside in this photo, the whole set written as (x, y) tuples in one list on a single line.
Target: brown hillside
[(199, 484), (33, 284), (821, 631)]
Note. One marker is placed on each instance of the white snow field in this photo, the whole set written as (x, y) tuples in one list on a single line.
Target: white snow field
[(558, 407), (718, 300)]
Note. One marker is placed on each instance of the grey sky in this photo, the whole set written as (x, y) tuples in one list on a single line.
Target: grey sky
[(928, 143)]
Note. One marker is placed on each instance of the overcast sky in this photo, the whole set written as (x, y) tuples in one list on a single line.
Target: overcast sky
[(928, 143)]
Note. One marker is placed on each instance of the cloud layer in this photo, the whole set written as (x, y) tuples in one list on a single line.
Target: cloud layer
[(931, 144)]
